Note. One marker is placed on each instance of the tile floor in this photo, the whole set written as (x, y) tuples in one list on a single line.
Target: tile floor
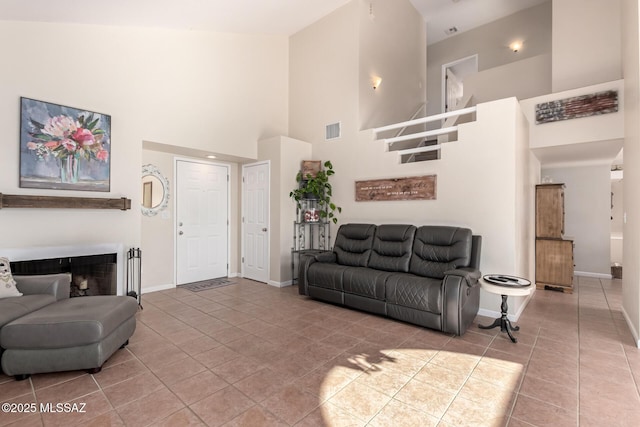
[(252, 355)]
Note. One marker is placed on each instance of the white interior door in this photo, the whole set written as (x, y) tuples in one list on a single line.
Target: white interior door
[(454, 90), (453, 78), (202, 191), (255, 226)]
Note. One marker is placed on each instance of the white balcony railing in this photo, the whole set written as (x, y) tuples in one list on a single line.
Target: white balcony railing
[(448, 118)]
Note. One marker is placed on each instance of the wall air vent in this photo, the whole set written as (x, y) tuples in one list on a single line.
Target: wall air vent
[(332, 131)]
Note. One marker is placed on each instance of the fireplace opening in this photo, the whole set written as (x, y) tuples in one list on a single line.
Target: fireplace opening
[(90, 275)]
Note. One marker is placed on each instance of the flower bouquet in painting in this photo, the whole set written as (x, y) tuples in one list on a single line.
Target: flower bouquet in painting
[(63, 147)]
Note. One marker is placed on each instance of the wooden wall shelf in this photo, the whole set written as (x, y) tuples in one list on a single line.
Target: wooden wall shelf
[(54, 202)]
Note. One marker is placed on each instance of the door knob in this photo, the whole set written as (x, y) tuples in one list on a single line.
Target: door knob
[(179, 224), (180, 233), (264, 229)]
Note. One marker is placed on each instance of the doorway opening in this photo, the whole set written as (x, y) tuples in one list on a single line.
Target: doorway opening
[(617, 220), (453, 76)]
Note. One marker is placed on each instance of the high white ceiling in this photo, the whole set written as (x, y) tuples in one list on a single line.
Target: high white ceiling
[(465, 15), (284, 17)]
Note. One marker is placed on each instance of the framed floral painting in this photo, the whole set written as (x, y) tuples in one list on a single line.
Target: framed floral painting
[(64, 148)]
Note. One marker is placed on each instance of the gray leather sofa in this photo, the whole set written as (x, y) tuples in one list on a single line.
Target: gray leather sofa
[(46, 331), (424, 275)]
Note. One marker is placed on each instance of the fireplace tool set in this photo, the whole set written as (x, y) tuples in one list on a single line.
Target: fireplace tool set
[(134, 274)]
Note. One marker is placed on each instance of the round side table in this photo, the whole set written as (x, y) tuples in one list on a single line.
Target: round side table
[(504, 285)]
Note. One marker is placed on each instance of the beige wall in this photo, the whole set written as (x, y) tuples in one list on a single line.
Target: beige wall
[(157, 236), (285, 155), (604, 127), (323, 75), (210, 91), (491, 43), (527, 173), (392, 47), (586, 43), (587, 206), (523, 79), (631, 245), (332, 63)]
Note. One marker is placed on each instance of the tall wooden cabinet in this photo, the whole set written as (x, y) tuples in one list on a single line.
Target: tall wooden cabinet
[(554, 253), (550, 211)]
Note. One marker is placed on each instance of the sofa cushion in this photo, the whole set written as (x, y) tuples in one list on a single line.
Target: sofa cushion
[(408, 290), (437, 249), (325, 275), (365, 282), (353, 244), (12, 308), (56, 284), (391, 249)]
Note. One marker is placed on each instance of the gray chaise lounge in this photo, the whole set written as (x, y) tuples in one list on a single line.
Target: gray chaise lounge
[(46, 331)]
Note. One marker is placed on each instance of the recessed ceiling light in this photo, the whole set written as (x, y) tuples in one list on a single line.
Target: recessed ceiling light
[(211, 156)]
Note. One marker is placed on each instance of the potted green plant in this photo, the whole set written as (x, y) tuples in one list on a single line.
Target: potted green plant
[(317, 188)]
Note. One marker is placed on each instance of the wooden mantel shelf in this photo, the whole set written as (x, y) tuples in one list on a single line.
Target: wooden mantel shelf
[(54, 202)]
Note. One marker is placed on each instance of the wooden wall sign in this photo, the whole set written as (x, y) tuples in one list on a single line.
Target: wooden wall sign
[(411, 188), (577, 106), (55, 202)]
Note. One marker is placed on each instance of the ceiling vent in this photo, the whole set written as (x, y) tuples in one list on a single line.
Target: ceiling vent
[(451, 30), (332, 131)]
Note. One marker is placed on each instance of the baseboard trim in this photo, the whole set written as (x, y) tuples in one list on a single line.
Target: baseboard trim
[(272, 282), (634, 333), (511, 316), (595, 275), (157, 288), (279, 284)]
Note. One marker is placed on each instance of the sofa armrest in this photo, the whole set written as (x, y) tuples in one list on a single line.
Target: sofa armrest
[(305, 262), (325, 257), (58, 285), (460, 299), (470, 275)]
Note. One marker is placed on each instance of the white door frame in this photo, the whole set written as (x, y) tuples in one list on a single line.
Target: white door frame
[(242, 215), (175, 211), (443, 89)]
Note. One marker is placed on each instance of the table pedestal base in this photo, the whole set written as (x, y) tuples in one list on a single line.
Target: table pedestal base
[(503, 321)]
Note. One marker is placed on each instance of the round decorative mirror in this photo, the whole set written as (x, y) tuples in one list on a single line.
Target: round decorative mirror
[(155, 191)]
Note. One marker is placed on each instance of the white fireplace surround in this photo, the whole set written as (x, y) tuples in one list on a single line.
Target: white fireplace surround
[(48, 252)]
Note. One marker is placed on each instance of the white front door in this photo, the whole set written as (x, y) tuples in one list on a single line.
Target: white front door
[(201, 221), (255, 226)]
